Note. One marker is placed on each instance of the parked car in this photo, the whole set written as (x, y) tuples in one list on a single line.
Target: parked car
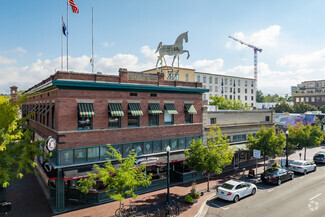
[(234, 190), (301, 166), (276, 175), (319, 157)]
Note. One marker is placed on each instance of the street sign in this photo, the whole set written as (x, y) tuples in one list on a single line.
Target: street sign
[(256, 153)]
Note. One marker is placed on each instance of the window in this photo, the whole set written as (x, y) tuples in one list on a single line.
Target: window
[(176, 76), (221, 90), (221, 81), (307, 99), (115, 112), (198, 78), (230, 97), (226, 81), (170, 76), (189, 111), (267, 118), (252, 84), (133, 94), (226, 89), (169, 112), (210, 89), (323, 99), (154, 111), (153, 95), (153, 120), (302, 99), (245, 90), (238, 82), (133, 121), (213, 120), (80, 155), (204, 79), (312, 99), (53, 117), (252, 98), (216, 80), (252, 91), (238, 97), (245, 83), (216, 89), (134, 113), (93, 154), (238, 90), (297, 99), (238, 138), (245, 97), (210, 79), (231, 90), (85, 116), (226, 97), (186, 77)]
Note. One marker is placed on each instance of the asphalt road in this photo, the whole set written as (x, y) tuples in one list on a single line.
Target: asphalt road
[(304, 196)]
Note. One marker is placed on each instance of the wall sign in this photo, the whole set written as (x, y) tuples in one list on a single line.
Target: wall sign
[(50, 144), (146, 160)]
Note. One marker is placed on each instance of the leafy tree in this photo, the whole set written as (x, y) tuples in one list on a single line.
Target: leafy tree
[(210, 158), (120, 182), (267, 141), (322, 109), (17, 152), (283, 107), (259, 96), (227, 104), (303, 107), (305, 135)]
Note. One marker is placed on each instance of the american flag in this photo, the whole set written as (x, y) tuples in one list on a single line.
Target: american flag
[(73, 6)]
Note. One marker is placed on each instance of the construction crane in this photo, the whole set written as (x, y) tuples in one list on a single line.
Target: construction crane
[(255, 55)]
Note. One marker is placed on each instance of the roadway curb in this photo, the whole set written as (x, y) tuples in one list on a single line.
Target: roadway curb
[(203, 206)]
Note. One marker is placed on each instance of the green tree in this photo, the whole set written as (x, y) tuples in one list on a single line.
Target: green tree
[(259, 96), (211, 158), (120, 182), (227, 104), (283, 107), (305, 135), (267, 141), (303, 107), (17, 152), (322, 109)]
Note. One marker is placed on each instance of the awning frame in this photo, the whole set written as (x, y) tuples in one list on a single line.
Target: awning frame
[(115, 109), (86, 110)]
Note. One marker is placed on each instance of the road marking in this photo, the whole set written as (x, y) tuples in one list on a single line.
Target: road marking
[(224, 208), (315, 196), (270, 190)]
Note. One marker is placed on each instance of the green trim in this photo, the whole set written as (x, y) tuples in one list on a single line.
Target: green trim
[(110, 86)]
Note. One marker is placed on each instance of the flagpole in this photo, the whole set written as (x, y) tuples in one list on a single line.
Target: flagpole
[(62, 44), (92, 39), (67, 36)]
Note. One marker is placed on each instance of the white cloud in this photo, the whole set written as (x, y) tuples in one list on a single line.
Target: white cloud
[(4, 60), (106, 44), (303, 61), (19, 50), (264, 38), (209, 66)]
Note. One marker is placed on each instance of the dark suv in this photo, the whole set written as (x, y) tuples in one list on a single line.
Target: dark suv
[(319, 157)]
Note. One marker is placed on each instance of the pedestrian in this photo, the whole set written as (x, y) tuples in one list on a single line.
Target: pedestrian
[(300, 155)]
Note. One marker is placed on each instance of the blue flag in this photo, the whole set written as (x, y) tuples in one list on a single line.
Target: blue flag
[(63, 28)]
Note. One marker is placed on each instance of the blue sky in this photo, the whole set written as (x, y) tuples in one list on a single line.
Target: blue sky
[(126, 34)]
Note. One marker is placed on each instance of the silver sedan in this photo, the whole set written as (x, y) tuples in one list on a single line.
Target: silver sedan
[(234, 190), (301, 166)]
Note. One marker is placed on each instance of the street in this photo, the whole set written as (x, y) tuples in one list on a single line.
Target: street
[(303, 196)]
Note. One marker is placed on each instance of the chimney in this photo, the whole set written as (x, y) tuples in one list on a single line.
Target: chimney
[(123, 75), (13, 93)]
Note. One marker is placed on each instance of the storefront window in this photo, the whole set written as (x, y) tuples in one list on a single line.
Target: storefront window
[(138, 147), (66, 157), (164, 144), (103, 152), (188, 142), (181, 143), (127, 149), (158, 171), (93, 154), (156, 146), (173, 144), (147, 147), (80, 155)]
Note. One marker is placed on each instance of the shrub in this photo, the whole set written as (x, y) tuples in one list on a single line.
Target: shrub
[(188, 198), (276, 165), (195, 196)]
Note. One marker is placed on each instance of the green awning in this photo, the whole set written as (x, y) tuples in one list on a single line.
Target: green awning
[(190, 108), (48, 109), (86, 110), (171, 109), (135, 109), (35, 109), (115, 109), (42, 109), (154, 109)]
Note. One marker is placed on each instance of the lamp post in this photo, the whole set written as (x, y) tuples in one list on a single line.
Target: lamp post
[(287, 134), (168, 181)]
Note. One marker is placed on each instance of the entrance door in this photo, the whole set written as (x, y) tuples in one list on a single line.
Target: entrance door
[(236, 161)]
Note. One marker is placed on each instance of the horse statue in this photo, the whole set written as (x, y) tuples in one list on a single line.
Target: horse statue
[(172, 50)]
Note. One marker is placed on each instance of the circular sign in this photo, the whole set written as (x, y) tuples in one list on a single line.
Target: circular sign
[(50, 144)]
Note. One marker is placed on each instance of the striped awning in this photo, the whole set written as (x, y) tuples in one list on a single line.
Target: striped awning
[(190, 108), (86, 110), (36, 109), (135, 109), (171, 109), (154, 109), (42, 109), (48, 108), (115, 109)]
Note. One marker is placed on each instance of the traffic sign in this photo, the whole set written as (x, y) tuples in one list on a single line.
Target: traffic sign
[(256, 153)]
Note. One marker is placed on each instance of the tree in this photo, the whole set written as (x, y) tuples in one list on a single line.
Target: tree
[(283, 107), (305, 135), (322, 109), (259, 96), (17, 152), (120, 182), (303, 107), (267, 141), (227, 104), (210, 158)]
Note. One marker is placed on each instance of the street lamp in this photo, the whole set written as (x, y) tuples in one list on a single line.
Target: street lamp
[(287, 134), (168, 181)]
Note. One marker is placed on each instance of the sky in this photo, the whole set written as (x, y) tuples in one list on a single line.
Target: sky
[(127, 33)]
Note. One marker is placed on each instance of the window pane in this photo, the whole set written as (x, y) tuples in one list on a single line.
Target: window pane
[(173, 144), (168, 118), (113, 122), (127, 149), (85, 123), (103, 152), (80, 155), (93, 154), (66, 157), (181, 143), (156, 145), (188, 117), (164, 144), (138, 147), (153, 120), (132, 120), (188, 142), (147, 147)]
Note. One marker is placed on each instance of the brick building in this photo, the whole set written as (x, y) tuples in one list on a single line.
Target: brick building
[(139, 111), (310, 92)]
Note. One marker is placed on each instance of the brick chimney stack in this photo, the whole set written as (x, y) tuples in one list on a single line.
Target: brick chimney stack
[(13, 93)]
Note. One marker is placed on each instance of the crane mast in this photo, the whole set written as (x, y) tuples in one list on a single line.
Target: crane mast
[(255, 54)]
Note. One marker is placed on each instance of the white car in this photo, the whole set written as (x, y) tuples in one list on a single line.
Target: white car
[(234, 190), (301, 166)]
